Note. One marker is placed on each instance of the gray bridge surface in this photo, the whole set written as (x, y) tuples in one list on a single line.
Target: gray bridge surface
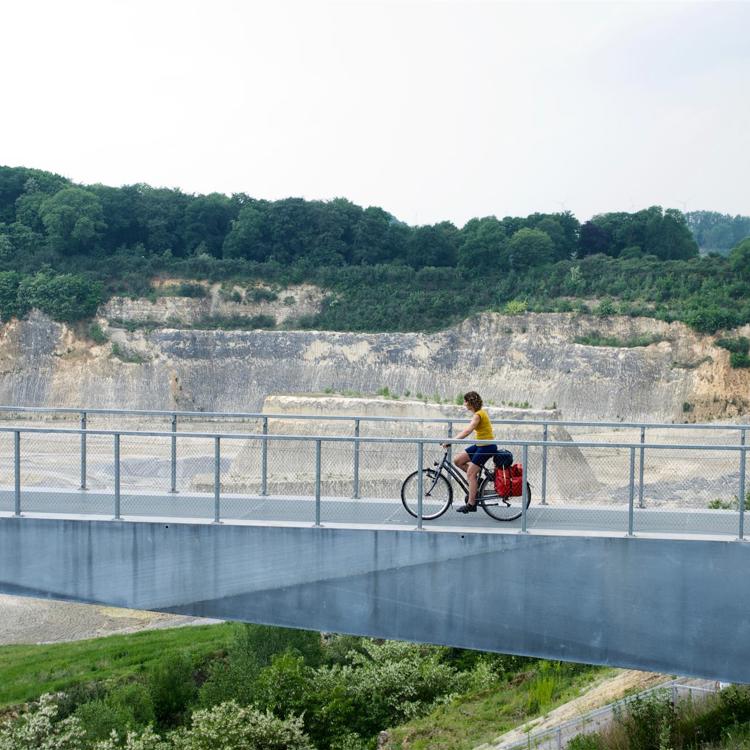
[(366, 511)]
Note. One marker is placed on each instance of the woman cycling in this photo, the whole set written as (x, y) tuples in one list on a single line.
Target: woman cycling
[(474, 457)]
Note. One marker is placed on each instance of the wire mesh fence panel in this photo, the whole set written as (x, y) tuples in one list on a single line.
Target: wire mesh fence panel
[(384, 466), (7, 474), (145, 475), (690, 492), (100, 465), (289, 479), (587, 488), (50, 460), (375, 469)]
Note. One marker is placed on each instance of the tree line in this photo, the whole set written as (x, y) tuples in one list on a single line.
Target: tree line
[(380, 273)]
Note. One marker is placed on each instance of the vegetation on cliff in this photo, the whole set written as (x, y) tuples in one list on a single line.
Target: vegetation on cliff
[(66, 247)]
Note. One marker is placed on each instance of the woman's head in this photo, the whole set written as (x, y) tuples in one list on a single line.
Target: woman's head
[(473, 401)]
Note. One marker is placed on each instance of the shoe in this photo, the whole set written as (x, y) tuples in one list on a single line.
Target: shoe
[(467, 509)]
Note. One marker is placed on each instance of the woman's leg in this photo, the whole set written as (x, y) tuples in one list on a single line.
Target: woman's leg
[(473, 473), (462, 460)]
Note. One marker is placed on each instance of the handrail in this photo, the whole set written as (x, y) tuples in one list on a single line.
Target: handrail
[(364, 418), (372, 439)]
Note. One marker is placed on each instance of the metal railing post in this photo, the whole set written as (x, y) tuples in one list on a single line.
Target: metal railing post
[(17, 473), (318, 447), (631, 492), (174, 454), (525, 491), (743, 471), (545, 432), (450, 435), (559, 738), (355, 492), (83, 450), (420, 483), (264, 460), (117, 477), (217, 479), (640, 469)]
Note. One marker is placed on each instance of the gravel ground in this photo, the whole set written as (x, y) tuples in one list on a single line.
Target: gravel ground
[(25, 620)]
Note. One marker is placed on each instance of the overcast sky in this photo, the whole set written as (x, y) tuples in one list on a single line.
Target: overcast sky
[(432, 110)]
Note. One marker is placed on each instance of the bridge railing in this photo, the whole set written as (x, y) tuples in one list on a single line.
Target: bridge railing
[(545, 430), (691, 488)]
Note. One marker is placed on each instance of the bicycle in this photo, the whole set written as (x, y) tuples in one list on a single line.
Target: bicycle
[(438, 493)]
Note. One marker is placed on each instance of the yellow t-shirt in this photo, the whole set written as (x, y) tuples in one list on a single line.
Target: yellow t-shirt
[(484, 428)]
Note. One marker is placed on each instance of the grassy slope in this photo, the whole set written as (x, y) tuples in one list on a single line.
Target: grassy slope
[(475, 719), (28, 671)]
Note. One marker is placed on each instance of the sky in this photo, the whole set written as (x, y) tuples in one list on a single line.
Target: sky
[(432, 110)]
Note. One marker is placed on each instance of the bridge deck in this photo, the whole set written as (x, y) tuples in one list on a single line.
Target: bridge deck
[(369, 511)]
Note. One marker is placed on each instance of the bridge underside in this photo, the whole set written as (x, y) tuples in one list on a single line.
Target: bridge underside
[(667, 605)]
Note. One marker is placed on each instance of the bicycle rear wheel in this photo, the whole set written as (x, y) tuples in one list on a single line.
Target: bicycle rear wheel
[(437, 494), (501, 509)]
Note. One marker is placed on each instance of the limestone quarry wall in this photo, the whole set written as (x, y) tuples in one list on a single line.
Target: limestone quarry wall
[(530, 358)]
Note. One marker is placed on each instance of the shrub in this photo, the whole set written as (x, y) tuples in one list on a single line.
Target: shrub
[(605, 309), (185, 289), (592, 741), (39, 728), (171, 687), (132, 358), (515, 307), (240, 727), (64, 297), (10, 305), (739, 345), (259, 294), (97, 335)]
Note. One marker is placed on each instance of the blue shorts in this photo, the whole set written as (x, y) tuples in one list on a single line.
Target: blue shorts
[(478, 454)]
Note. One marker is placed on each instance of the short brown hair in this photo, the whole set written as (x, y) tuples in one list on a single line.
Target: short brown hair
[(474, 400)]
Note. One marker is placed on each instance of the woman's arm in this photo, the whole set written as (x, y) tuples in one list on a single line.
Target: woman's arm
[(468, 430)]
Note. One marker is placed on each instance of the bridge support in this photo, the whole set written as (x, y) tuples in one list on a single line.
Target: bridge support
[(669, 605)]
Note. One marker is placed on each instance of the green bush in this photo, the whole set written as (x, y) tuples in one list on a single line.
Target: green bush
[(259, 294), (738, 345), (64, 297), (593, 741), (646, 720), (184, 289), (10, 304), (132, 358), (515, 307), (172, 689), (97, 335)]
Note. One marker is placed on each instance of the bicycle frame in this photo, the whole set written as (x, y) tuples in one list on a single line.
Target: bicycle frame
[(459, 477)]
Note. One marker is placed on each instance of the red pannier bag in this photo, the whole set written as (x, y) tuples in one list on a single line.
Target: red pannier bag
[(509, 482)]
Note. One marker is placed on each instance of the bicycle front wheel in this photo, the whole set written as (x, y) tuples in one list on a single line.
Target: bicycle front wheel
[(499, 508), (437, 494)]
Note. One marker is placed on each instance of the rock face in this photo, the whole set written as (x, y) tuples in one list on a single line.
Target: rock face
[(530, 358), (238, 302)]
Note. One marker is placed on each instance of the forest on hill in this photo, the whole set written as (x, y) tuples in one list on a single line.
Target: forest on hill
[(65, 248)]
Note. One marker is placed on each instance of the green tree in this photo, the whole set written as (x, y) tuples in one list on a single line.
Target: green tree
[(207, 220), (73, 220), (739, 260), (247, 236), (483, 242), (432, 246), (529, 247)]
